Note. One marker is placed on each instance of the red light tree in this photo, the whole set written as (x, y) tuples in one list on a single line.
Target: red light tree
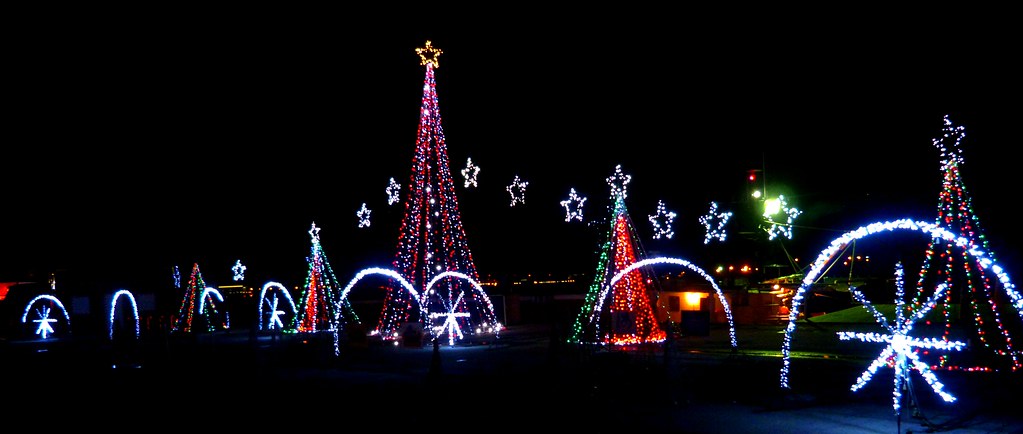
[(319, 307), (431, 239), (192, 304), (622, 314)]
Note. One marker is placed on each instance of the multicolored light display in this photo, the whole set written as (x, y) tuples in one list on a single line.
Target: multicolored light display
[(320, 307), (431, 239), (629, 317), (197, 295), (972, 294)]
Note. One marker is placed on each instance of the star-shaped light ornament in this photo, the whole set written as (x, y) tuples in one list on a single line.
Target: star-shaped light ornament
[(661, 221), (573, 206), (428, 55), (239, 270), (470, 172), (517, 190), (772, 208), (177, 277), (619, 183), (901, 351), (392, 190), (714, 223), (951, 154), (363, 214)]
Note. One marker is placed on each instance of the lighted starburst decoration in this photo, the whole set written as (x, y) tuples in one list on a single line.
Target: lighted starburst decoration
[(901, 351), (470, 172), (619, 183), (714, 223), (661, 221), (774, 207), (428, 55), (573, 206), (44, 321), (275, 315), (239, 271), (517, 190), (392, 190), (363, 215)]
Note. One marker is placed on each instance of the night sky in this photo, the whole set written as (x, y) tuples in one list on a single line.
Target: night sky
[(130, 149)]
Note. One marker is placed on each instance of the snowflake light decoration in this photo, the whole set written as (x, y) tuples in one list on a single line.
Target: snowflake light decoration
[(714, 223), (392, 190), (44, 321), (239, 271), (275, 314), (776, 206), (573, 206), (619, 183), (661, 221), (900, 353), (517, 190), (470, 172), (363, 214)]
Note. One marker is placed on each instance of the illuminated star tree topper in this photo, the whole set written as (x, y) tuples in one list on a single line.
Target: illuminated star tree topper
[(393, 189), (573, 206), (661, 221), (517, 190), (714, 223), (619, 183), (470, 172)]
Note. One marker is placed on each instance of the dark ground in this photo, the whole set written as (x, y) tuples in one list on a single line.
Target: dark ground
[(523, 380)]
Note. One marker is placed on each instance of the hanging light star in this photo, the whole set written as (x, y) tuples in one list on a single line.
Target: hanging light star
[(619, 183), (714, 223), (517, 190), (661, 221), (177, 277), (772, 208), (393, 188), (239, 271), (469, 173), (363, 214), (428, 55), (573, 206), (900, 353)]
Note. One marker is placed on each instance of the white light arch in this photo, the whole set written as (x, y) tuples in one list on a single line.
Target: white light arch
[(934, 231), (134, 310), (655, 261), (280, 288)]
